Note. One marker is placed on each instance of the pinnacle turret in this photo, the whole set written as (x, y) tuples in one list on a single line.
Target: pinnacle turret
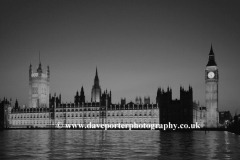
[(211, 59)]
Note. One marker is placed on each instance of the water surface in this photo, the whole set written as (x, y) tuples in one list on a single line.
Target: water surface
[(141, 144)]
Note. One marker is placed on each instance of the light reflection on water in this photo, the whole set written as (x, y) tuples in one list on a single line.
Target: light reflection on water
[(72, 144)]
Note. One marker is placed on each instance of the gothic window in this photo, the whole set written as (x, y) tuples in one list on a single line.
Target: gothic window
[(34, 90)]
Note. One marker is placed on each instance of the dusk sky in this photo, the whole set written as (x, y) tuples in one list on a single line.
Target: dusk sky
[(137, 47)]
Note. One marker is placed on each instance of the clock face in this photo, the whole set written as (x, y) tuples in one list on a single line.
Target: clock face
[(211, 75)]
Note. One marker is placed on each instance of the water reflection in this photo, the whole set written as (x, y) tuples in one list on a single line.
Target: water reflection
[(73, 144)]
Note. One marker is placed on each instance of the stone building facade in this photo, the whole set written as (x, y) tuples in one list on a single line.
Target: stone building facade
[(45, 110)]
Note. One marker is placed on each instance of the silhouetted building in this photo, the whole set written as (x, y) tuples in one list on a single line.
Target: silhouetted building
[(106, 97), (54, 100), (175, 111), (5, 107), (224, 116), (16, 105), (79, 99)]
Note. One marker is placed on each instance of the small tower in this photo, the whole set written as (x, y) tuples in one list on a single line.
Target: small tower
[(82, 96), (211, 82), (147, 100), (123, 101), (39, 87)]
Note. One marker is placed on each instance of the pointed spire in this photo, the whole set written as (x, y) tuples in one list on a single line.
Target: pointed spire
[(39, 70), (211, 58), (96, 71), (96, 79), (211, 51), (39, 57)]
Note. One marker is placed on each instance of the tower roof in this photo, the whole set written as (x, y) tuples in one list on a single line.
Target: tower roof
[(96, 72), (211, 52), (211, 58), (39, 70), (96, 75), (82, 91)]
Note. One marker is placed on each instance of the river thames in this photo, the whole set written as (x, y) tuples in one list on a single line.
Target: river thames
[(122, 144)]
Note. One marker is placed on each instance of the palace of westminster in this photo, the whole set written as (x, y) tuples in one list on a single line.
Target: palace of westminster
[(45, 110)]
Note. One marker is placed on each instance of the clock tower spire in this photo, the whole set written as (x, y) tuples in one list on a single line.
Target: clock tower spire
[(211, 83)]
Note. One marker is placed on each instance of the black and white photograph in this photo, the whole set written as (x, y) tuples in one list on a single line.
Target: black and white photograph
[(119, 79)]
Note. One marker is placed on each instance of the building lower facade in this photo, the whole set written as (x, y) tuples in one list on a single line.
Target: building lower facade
[(86, 113)]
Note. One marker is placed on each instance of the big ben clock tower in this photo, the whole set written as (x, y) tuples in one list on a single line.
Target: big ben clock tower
[(211, 81)]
